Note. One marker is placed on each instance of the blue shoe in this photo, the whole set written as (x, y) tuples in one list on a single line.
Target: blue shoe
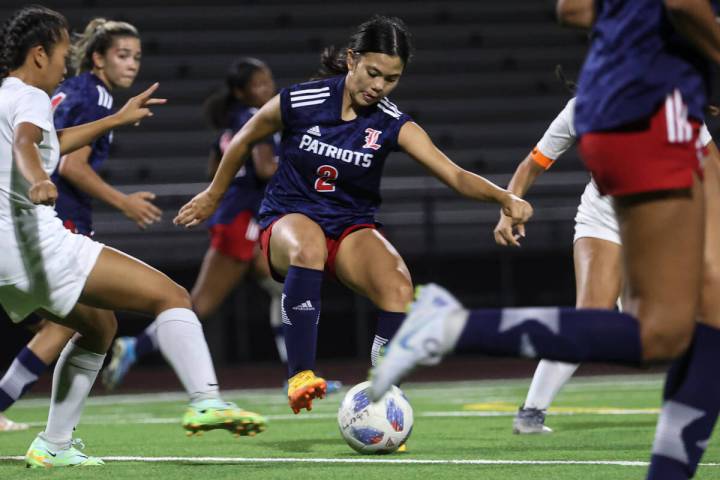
[(123, 358), (333, 386)]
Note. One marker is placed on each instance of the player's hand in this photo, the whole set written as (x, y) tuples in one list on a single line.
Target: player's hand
[(137, 107), (139, 208), (518, 210), (197, 210), (43, 192), (505, 233)]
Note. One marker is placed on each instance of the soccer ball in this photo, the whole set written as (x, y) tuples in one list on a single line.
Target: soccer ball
[(379, 427)]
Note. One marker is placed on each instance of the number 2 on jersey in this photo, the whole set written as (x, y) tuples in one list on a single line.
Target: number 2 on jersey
[(327, 174)]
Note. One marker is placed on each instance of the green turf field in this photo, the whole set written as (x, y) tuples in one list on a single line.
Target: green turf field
[(603, 430)]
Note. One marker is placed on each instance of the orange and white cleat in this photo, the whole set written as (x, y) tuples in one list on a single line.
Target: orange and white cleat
[(303, 387)]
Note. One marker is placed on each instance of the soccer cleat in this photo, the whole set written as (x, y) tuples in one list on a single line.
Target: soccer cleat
[(303, 387), (402, 448), (333, 386), (530, 421), (41, 455), (433, 324), (123, 357), (7, 425), (214, 414)]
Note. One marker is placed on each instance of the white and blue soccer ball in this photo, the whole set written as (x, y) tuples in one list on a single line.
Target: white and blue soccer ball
[(379, 427)]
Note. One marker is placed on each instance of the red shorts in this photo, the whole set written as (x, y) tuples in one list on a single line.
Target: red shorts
[(663, 153), (237, 239), (333, 244)]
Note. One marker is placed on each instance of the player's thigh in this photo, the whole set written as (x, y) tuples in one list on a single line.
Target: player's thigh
[(367, 263), (219, 274), (662, 237), (710, 303), (299, 241), (598, 272), (121, 282), (49, 341)]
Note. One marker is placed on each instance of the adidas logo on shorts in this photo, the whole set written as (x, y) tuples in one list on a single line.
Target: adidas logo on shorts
[(305, 306), (314, 131)]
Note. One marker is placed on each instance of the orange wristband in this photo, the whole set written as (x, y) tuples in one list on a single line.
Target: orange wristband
[(541, 159)]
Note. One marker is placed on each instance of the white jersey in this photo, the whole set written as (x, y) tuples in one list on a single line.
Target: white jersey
[(42, 265), (595, 217)]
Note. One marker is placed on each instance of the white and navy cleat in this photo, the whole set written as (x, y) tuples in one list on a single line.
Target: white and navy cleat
[(431, 329), (530, 421)]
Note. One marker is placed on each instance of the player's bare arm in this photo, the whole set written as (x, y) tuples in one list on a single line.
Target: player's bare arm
[(265, 122), (137, 206), (264, 161), (695, 19), (25, 151), (136, 109), (523, 178), (418, 145), (576, 13)]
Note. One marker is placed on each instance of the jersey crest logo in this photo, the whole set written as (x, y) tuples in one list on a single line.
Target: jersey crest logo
[(371, 138), (57, 100), (314, 131)]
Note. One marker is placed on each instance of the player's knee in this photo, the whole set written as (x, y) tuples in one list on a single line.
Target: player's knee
[(665, 340), (175, 296), (309, 256), (396, 295)]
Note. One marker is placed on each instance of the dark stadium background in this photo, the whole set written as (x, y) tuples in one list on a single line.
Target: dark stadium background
[(482, 83)]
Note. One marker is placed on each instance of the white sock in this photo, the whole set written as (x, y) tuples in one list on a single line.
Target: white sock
[(181, 340), (73, 378), (549, 378), (275, 289)]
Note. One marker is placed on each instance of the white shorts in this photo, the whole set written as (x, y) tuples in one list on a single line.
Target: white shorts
[(596, 217), (47, 269)]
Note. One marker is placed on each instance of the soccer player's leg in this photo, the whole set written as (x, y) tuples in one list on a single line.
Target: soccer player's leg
[(179, 334), (598, 280), (42, 350), (297, 249)]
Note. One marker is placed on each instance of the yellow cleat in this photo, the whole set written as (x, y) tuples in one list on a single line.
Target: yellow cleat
[(303, 387)]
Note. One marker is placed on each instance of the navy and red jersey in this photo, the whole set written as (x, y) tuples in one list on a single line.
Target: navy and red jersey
[(330, 169), (247, 189), (78, 100), (636, 59)]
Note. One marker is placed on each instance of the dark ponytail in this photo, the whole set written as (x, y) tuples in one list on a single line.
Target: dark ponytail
[(217, 107), (380, 34), (27, 28)]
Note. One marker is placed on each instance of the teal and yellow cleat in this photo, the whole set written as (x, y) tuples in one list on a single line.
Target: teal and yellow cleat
[(218, 415), (41, 455), (123, 357)]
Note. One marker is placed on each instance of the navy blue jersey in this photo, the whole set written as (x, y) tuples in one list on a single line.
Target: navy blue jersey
[(78, 100), (247, 189), (635, 60), (330, 168)]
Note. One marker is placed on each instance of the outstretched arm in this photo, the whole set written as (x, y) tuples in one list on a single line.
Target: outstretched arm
[(418, 145), (74, 167), (576, 13), (264, 123), (132, 112)]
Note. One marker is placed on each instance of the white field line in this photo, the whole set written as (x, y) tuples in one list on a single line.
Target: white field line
[(471, 388), (151, 420), (392, 461)]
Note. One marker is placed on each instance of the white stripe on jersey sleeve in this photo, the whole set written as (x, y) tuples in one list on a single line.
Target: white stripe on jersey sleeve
[(310, 97), (392, 113), (309, 90), (390, 105), (560, 135), (311, 102)]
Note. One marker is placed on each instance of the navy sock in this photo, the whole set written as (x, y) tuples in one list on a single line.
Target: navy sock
[(23, 373), (388, 324), (690, 410), (564, 334), (144, 345), (300, 317)]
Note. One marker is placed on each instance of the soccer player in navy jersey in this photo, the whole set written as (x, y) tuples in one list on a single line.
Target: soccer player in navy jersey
[(234, 232), (641, 97), (318, 214)]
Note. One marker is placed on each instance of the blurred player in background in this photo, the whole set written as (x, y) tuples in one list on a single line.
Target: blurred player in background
[(318, 214), (234, 231), (68, 277), (596, 255), (639, 109)]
